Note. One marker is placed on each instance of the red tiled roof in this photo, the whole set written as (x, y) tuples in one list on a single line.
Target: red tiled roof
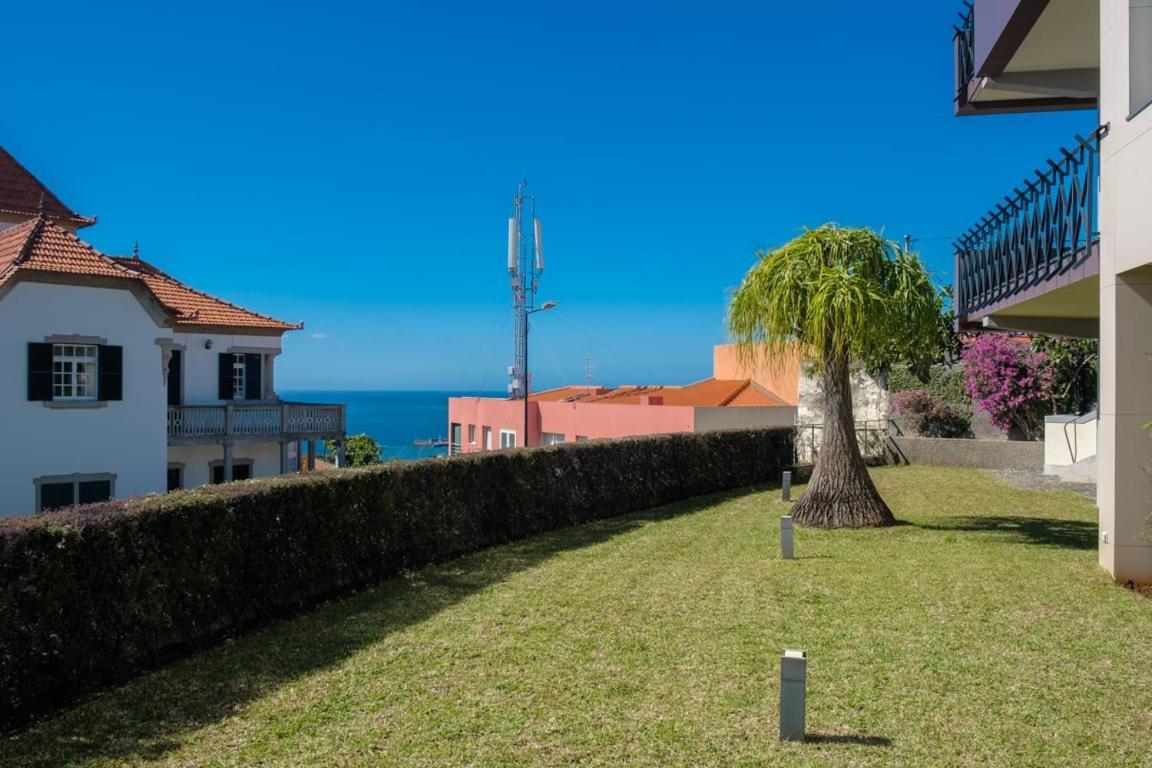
[(21, 193), (710, 393), (193, 307), (39, 245)]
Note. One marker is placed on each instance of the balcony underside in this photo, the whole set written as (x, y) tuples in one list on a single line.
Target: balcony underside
[(1067, 305), (1027, 56)]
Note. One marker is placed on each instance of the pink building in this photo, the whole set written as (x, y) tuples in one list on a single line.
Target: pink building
[(737, 396)]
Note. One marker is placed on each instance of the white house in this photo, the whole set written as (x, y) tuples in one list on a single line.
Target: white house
[(119, 379)]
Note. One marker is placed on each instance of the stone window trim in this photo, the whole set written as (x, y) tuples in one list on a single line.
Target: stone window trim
[(74, 404), (75, 339), (75, 479)]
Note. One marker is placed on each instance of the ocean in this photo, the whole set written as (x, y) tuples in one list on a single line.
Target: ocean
[(393, 418)]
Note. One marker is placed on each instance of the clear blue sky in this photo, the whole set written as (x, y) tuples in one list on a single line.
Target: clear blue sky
[(352, 165)]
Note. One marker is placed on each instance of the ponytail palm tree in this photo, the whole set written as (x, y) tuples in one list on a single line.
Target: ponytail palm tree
[(838, 295)]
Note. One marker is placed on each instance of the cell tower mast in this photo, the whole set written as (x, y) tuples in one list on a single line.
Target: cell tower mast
[(525, 265)]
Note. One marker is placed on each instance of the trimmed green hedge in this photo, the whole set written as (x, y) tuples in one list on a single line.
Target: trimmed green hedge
[(92, 595)]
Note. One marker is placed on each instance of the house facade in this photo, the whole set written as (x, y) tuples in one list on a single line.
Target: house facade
[(122, 380), (1069, 251), (770, 393)]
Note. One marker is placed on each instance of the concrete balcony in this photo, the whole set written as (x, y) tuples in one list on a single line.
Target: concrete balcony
[(1027, 56), (257, 422)]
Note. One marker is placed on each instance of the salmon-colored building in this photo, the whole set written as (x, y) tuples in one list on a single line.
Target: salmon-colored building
[(737, 396)]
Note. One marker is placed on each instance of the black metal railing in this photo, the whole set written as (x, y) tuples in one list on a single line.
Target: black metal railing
[(964, 40), (1037, 233)]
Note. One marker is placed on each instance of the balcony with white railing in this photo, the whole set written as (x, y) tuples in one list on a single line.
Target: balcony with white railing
[(189, 424)]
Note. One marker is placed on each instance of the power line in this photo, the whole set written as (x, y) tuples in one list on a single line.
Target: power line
[(596, 341)]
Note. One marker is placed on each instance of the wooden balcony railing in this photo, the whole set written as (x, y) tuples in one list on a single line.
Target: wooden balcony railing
[(256, 422)]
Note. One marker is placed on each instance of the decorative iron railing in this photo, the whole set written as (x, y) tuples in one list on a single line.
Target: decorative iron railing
[(1037, 233), (871, 437), (964, 40), (275, 421)]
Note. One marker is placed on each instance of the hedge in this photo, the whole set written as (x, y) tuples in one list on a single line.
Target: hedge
[(91, 595)]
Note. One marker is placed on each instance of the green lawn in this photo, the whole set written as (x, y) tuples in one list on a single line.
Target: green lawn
[(980, 632)]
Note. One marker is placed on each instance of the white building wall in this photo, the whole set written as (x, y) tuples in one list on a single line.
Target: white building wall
[(197, 460), (1124, 453), (126, 438), (201, 371), (869, 398)]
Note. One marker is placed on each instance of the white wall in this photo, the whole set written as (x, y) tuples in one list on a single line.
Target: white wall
[(197, 460), (201, 366), (869, 399), (1125, 449), (127, 438), (708, 419)]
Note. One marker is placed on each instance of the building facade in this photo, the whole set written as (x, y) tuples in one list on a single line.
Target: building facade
[(122, 380), (1069, 251), (771, 393)]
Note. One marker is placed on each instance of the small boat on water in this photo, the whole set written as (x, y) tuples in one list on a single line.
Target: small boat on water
[(430, 442)]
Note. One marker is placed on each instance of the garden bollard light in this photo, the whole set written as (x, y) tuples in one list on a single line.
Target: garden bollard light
[(793, 679), (786, 486), (786, 537)]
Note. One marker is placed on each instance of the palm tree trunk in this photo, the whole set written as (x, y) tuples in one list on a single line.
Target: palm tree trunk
[(840, 493)]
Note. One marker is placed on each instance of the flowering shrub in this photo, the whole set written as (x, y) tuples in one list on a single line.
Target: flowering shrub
[(1012, 383), (934, 418)]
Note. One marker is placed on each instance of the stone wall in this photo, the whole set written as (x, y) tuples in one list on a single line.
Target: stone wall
[(958, 452), (869, 398)]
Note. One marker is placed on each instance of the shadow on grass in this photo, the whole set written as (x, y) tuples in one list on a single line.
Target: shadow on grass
[(860, 741), (148, 717), (1069, 534)]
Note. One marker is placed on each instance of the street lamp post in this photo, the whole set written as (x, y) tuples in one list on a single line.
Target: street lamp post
[(542, 308)]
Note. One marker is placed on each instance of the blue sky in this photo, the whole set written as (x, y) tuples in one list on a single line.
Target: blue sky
[(352, 165)]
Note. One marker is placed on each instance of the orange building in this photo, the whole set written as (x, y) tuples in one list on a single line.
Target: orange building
[(737, 396)]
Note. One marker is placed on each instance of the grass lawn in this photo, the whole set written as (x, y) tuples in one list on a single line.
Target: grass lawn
[(980, 632)]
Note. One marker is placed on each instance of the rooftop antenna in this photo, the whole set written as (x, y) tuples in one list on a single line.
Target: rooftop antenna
[(136, 250), (525, 265), (589, 368)]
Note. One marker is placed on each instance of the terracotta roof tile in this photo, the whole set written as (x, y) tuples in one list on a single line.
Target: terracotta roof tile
[(710, 393), (192, 307), (21, 192), (39, 245)]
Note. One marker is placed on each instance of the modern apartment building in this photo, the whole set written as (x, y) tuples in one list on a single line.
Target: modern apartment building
[(121, 380), (1069, 251)]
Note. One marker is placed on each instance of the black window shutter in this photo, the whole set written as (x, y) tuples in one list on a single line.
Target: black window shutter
[(225, 359), (175, 379), (110, 368), (253, 367), (39, 371)]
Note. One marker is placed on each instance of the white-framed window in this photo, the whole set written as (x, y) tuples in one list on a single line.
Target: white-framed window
[(487, 434), (471, 434), (74, 371), (551, 438), (507, 438), (239, 376)]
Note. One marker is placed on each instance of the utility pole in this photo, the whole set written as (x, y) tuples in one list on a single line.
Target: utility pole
[(908, 243)]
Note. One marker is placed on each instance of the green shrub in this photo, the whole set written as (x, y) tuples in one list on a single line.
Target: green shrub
[(945, 383), (359, 450), (93, 594)]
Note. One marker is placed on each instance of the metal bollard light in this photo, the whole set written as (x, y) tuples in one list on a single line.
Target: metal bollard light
[(786, 537), (793, 680), (786, 486)]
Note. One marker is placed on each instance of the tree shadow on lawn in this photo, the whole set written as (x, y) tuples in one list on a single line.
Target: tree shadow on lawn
[(147, 717), (1047, 531)]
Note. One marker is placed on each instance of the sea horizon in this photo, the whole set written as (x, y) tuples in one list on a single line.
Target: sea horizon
[(394, 418)]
